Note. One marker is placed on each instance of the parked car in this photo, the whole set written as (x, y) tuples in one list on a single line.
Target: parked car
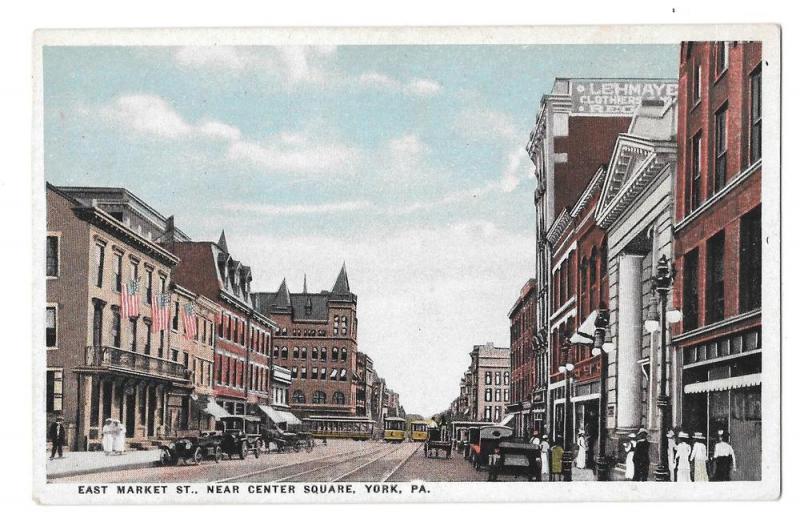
[(490, 438), (517, 459), (435, 444), (191, 446), (240, 435)]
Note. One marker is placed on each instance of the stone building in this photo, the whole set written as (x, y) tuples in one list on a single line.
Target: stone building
[(491, 367), (316, 338), (718, 245), (528, 365), (364, 378)]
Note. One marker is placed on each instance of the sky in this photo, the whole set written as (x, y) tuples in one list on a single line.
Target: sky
[(407, 163)]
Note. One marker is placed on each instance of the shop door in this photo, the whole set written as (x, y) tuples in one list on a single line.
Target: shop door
[(745, 430)]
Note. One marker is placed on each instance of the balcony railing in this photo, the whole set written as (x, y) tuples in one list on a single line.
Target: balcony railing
[(112, 357)]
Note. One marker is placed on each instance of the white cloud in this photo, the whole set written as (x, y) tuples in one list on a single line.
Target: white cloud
[(422, 87), (292, 153), (414, 87), (219, 130), (300, 209), (147, 114), (216, 57)]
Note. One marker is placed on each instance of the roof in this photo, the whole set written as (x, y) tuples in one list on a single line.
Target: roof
[(304, 306)]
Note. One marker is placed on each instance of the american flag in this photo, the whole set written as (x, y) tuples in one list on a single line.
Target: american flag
[(189, 315), (130, 300), (160, 306)]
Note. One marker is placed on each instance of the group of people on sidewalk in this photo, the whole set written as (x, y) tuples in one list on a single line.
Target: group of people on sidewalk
[(552, 455), (113, 437)]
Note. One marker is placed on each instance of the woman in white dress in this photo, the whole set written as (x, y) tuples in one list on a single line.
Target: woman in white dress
[(699, 458), (119, 438), (580, 461), (629, 465), (108, 436), (545, 446), (682, 454)]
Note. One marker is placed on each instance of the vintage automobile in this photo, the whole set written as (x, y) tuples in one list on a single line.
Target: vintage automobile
[(472, 442), (240, 435), (434, 444), (490, 438), (517, 459), (191, 446), (279, 440)]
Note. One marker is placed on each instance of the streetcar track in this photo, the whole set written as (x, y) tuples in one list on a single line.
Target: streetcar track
[(359, 468), (324, 466), (282, 466), (400, 465)]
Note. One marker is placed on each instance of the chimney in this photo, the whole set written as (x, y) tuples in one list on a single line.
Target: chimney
[(169, 230)]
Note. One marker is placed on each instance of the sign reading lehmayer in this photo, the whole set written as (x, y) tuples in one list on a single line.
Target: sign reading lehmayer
[(617, 97)]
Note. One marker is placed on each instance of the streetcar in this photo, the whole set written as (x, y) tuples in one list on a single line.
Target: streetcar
[(418, 429), (339, 427), (394, 430)]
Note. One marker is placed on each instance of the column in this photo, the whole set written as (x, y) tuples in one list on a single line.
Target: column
[(101, 401), (629, 330), (146, 393)]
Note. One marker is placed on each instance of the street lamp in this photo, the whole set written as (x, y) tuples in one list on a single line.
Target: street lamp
[(602, 348), (662, 282), (566, 459)]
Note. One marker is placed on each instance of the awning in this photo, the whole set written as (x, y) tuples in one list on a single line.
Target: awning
[(279, 416), (507, 419), (215, 410), (585, 332), (723, 384), (291, 419)]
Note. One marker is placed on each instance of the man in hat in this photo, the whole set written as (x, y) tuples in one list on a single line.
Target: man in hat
[(641, 456), (671, 454), (58, 437), (724, 458)]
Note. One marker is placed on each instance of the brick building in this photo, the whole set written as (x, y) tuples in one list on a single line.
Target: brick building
[(718, 245), (100, 362), (575, 131), (528, 371), (364, 379), (491, 367), (316, 338)]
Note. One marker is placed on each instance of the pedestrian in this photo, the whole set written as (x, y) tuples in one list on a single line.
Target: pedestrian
[(630, 467), (556, 454), (108, 436), (671, 454), (58, 437), (699, 458), (683, 453), (545, 446), (724, 458), (535, 439), (119, 438), (641, 456), (580, 460)]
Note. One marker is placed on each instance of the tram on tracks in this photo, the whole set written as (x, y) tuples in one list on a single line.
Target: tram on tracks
[(394, 429), (418, 429), (339, 427)]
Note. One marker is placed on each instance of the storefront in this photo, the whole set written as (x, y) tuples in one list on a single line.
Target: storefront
[(722, 391)]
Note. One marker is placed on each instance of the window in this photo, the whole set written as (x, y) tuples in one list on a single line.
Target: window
[(51, 260), (755, 115), (55, 390), (99, 258), (284, 352), (697, 83), (314, 353), (715, 284), (323, 374), (296, 352), (174, 355), (497, 413), (335, 353), (343, 375), (319, 397), (697, 169), (505, 378), (314, 373), (487, 414), (133, 332), (50, 327), (690, 290), (304, 353), (149, 296), (117, 272), (148, 338), (275, 352), (344, 354), (497, 377), (750, 261), (722, 51), (720, 147), (298, 397), (592, 278), (303, 373), (323, 354), (488, 378), (294, 372), (505, 395), (338, 398), (115, 328), (488, 396), (175, 316), (334, 373)]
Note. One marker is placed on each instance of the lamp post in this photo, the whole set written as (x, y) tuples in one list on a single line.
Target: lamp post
[(566, 459), (601, 348), (662, 282)]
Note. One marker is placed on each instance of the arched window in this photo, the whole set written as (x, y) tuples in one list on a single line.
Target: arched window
[(593, 279), (296, 352), (338, 398), (298, 397), (314, 353), (319, 397), (276, 351), (284, 353), (584, 283), (335, 353), (344, 354), (505, 378), (323, 353)]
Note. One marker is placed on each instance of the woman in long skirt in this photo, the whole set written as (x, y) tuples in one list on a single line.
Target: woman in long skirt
[(108, 436), (699, 458), (119, 438), (580, 460), (545, 447), (630, 467), (682, 454)]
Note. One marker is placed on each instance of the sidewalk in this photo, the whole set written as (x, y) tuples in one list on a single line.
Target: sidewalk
[(80, 463)]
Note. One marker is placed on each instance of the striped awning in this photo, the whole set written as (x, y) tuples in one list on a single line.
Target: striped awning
[(724, 384), (215, 410)]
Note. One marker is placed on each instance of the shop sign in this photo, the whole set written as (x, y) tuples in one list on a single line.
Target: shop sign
[(617, 97)]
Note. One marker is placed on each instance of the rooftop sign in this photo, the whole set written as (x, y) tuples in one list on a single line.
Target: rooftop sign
[(617, 97)]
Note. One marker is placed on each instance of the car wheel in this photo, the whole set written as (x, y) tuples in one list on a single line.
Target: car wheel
[(164, 458), (197, 456), (243, 449), (217, 454)]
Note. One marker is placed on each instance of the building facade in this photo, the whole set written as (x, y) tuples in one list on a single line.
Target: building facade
[(718, 245), (528, 365), (316, 338), (491, 367), (364, 378), (104, 358)]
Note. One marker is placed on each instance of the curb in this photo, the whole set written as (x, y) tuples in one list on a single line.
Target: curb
[(124, 467)]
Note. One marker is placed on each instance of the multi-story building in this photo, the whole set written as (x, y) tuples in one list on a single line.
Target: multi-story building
[(634, 214), (528, 376), (104, 359), (316, 339), (364, 378), (575, 131), (243, 334), (718, 245), (491, 368)]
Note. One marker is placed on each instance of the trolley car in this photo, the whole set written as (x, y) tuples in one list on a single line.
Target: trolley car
[(394, 430), (339, 427), (418, 430)]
